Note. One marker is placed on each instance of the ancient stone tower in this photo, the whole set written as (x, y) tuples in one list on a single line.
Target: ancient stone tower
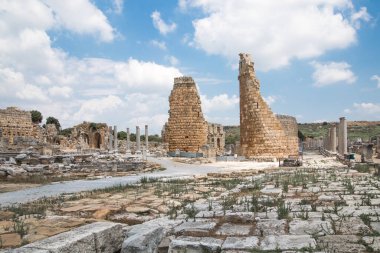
[(262, 136), (186, 129)]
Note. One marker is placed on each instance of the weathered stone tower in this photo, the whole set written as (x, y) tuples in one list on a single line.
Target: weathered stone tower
[(262, 136), (186, 128)]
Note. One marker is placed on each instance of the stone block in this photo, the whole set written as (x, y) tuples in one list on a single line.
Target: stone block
[(188, 244), (287, 242), (241, 243), (96, 237)]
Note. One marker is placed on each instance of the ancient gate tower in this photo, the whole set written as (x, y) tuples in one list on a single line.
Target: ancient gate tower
[(186, 128), (262, 135)]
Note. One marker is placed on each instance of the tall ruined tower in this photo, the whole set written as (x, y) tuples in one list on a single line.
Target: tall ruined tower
[(186, 129), (262, 135)]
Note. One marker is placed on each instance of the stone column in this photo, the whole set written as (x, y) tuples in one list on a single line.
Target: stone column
[(138, 149), (110, 139), (378, 144), (146, 139), (333, 139), (128, 142), (115, 138), (342, 138)]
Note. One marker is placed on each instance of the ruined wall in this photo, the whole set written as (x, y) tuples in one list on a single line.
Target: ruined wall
[(216, 137), (261, 133), (290, 126), (87, 136), (15, 123), (186, 128)]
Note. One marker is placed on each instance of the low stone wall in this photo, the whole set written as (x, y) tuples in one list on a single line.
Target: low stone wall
[(55, 166)]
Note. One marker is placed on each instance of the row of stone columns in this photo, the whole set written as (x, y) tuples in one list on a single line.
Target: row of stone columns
[(331, 142), (113, 141)]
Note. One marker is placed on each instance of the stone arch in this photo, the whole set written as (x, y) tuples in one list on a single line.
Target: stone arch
[(86, 138), (97, 140)]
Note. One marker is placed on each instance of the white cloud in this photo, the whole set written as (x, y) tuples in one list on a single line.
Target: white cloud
[(363, 110), (163, 27), (31, 92), (275, 32), (83, 17), (377, 79), (270, 100), (362, 14), (367, 108), (95, 107), (57, 91), (219, 103), (118, 6), (331, 73), (160, 44), (172, 60), (33, 73)]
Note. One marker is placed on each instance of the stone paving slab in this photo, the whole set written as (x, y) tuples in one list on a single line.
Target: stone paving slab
[(190, 244), (233, 229), (241, 243), (287, 242)]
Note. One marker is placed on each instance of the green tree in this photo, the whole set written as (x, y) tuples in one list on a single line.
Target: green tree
[(66, 132), (52, 120), (154, 138), (122, 135), (36, 116)]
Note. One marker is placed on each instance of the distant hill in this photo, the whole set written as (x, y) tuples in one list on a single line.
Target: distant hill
[(356, 129)]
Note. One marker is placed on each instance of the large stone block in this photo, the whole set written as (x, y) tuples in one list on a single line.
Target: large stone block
[(96, 237)]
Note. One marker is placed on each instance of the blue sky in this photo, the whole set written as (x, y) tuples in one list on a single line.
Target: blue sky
[(114, 61)]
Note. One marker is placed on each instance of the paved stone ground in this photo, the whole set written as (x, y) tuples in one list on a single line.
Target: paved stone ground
[(311, 209), (303, 210)]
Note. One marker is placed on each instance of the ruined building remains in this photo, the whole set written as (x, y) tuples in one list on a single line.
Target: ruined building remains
[(15, 123), (186, 128), (262, 135), (87, 135), (216, 138)]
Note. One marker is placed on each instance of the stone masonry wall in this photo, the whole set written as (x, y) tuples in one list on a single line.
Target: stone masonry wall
[(216, 137), (187, 128), (290, 126), (16, 123), (261, 133)]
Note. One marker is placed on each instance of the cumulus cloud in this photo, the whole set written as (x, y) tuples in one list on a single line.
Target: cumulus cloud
[(362, 110), (83, 17), (36, 75), (275, 32), (219, 103), (377, 79), (159, 44), (94, 107), (172, 60), (57, 91), (163, 27), (331, 73), (221, 108), (367, 108)]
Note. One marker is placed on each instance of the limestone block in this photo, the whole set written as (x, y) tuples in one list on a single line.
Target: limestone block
[(144, 241), (188, 244), (241, 243), (287, 242), (95, 237), (234, 229)]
